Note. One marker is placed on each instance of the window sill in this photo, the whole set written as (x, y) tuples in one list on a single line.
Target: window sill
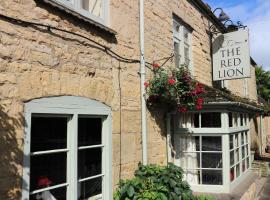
[(80, 16)]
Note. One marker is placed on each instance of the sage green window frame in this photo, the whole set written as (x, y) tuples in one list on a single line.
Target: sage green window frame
[(73, 107)]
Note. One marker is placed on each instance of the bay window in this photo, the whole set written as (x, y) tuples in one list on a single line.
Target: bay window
[(69, 149), (212, 147)]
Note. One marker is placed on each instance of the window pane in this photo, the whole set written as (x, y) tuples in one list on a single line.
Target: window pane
[(237, 170), (230, 119), (177, 54), (243, 152), (236, 141), (89, 162), (232, 158), (197, 139), (237, 155), (242, 138), (89, 131), (231, 142), (190, 160), (47, 170), (176, 27), (235, 119), (246, 119), (232, 175), (212, 177), (196, 120), (59, 194), (90, 188), (48, 133), (211, 143), (211, 120), (241, 120), (186, 54), (186, 33), (93, 6), (211, 160)]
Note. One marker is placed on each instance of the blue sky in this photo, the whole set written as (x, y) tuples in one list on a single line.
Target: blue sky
[(256, 15)]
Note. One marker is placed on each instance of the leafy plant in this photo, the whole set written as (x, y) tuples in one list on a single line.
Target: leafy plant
[(203, 197), (263, 83), (153, 182), (175, 89)]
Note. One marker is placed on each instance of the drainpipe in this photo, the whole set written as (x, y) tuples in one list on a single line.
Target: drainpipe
[(142, 74), (261, 134)]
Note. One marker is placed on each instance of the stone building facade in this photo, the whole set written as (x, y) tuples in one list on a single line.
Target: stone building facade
[(39, 62)]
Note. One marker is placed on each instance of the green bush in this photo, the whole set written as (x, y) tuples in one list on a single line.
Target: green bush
[(203, 197), (153, 182)]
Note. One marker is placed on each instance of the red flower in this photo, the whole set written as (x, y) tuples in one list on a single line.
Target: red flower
[(43, 181), (146, 84), (171, 81), (182, 109), (200, 101), (199, 88), (198, 107), (156, 65)]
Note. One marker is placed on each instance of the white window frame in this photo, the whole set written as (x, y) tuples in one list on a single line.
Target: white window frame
[(178, 37), (200, 151), (75, 5), (238, 148), (72, 106), (225, 131)]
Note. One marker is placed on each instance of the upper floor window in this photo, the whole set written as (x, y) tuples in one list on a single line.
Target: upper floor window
[(96, 10), (182, 44)]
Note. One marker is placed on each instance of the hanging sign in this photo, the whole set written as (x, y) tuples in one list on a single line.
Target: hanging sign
[(231, 57)]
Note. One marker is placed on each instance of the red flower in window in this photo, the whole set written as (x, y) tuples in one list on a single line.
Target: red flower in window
[(171, 81), (43, 181), (156, 65)]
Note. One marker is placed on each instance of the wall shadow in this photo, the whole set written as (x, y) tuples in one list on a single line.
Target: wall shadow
[(159, 116), (11, 156)]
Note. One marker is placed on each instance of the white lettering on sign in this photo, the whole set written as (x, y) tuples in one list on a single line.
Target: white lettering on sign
[(231, 58)]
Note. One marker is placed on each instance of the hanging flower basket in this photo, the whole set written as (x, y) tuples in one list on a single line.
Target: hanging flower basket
[(174, 89)]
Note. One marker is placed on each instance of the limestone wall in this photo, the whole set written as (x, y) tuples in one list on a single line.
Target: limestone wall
[(237, 86)]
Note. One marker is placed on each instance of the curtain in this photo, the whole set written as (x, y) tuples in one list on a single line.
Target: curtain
[(184, 146)]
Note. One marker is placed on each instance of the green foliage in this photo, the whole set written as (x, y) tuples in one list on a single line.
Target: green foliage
[(263, 83), (203, 197), (175, 89), (153, 182)]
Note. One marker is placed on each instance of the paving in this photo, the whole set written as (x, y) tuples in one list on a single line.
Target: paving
[(263, 183), (263, 188)]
